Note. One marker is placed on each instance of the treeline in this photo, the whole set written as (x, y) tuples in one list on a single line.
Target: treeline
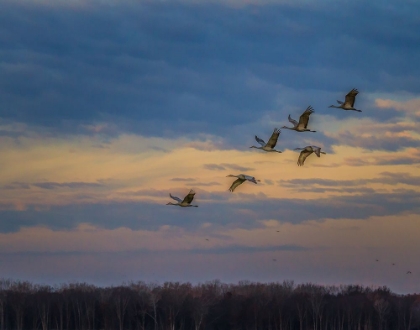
[(208, 306)]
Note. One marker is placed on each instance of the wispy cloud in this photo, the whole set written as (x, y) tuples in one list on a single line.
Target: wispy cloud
[(72, 185), (225, 166)]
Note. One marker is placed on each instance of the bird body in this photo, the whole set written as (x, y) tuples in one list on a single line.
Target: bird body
[(308, 150), (302, 125), (348, 103), (241, 178), (269, 146), (186, 202)]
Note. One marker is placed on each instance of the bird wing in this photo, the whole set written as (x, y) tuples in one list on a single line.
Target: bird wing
[(294, 122), (351, 97), (260, 141), (303, 155), (304, 118), (235, 183), (175, 198), (189, 198), (273, 139)]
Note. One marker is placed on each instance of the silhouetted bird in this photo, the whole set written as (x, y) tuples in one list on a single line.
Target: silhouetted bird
[(269, 146), (186, 202), (302, 125), (241, 178), (348, 103), (306, 152)]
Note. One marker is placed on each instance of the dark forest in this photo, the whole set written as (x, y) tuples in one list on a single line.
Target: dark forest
[(207, 306)]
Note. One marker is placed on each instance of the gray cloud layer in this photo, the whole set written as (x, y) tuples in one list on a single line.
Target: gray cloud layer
[(219, 210), (178, 68)]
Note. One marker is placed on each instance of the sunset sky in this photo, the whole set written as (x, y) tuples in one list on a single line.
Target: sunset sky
[(106, 107)]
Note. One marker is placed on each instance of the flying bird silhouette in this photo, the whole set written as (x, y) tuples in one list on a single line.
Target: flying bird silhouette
[(269, 146), (302, 125), (241, 178), (186, 202), (348, 103), (308, 150)]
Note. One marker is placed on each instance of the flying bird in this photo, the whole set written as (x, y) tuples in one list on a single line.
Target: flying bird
[(186, 202), (269, 146), (302, 125), (241, 178), (348, 103), (306, 152), (408, 272)]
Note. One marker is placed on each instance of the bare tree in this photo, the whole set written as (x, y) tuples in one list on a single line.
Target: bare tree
[(18, 295)]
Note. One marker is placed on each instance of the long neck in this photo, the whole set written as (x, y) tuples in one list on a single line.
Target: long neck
[(334, 106), (288, 127), (256, 147)]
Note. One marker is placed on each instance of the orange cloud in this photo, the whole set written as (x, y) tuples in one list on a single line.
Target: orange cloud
[(411, 106)]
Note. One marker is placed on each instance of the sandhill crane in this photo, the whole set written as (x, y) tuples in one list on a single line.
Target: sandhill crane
[(269, 146), (186, 202), (241, 178), (302, 125), (306, 152), (348, 103), (408, 272)]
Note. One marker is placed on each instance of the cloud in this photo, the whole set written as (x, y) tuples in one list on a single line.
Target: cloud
[(183, 179), (250, 249), (350, 186), (410, 107), (173, 69), (72, 185), (224, 210), (17, 185), (225, 166), (407, 157)]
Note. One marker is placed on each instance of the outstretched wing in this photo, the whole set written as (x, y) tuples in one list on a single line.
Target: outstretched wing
[(189, 198), (294, 122), (260, 141), (175, 198), (303, 155), (304, 118), (273, 139), (351, 97), (235, 183)]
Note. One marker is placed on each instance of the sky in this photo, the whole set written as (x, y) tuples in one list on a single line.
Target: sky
[(106, 107)]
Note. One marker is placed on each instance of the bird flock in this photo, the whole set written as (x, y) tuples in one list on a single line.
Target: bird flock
[(298, 126)]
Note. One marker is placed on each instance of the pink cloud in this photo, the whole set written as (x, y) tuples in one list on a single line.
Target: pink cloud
[(411, 106)]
